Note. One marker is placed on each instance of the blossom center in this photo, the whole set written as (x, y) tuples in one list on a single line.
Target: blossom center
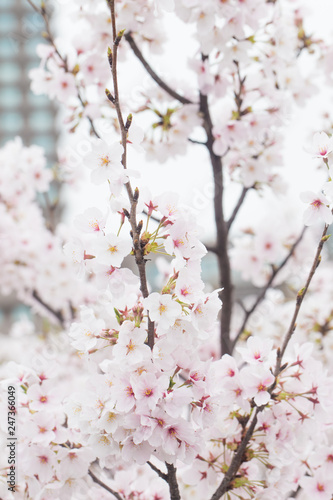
[(162, 308), (129, 391), (130, 347), (104, 161), (316, 204), (112, 249)]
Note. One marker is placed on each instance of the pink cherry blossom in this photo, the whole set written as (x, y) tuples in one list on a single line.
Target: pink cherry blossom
[(105, 160), (256, 383), (318, 209), (91, 221), (130, 344), (163, 309), (322, 145), (111, 249), (319, 486)]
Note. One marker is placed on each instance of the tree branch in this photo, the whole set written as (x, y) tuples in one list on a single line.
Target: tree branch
[(221, 230), (262, 294), (103, 485), (299, 300), (237, 459), (56, 314), (149, 69), (133, 196), (158, 471), (237, 207), (172, 481)]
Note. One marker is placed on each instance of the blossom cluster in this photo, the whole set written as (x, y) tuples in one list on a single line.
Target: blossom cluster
[(249, 67), (136, 398), (32, 260)]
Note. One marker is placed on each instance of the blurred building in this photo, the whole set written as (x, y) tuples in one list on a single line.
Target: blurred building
[(21, 112)]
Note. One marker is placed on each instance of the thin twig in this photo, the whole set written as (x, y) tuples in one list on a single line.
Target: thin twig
[(263, 292), (237, 207), (56, 314), (237, 458), (103, 485), (299, 300), (193, 141), (158, 471), (152, 73), (133, 196)]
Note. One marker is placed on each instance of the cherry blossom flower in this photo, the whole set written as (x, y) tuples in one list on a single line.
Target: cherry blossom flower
[(163, 309), (256, 383), (257, 350), (130, 344), (74, 462), (86, 333), (319, 486), (148, 389), (111, 249), (322, 145), (41, 460), (43, 396), (91, 221), (105, 161), (318, 209)]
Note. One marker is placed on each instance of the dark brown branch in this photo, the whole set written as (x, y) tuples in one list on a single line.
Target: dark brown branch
[(155, 77), (237, 459), (103, 485), (237, 207), (133, 196), (193, 141), (299, 300), (221, 229), (56, 314), (172, 481), (158, 471), (263, 292)]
